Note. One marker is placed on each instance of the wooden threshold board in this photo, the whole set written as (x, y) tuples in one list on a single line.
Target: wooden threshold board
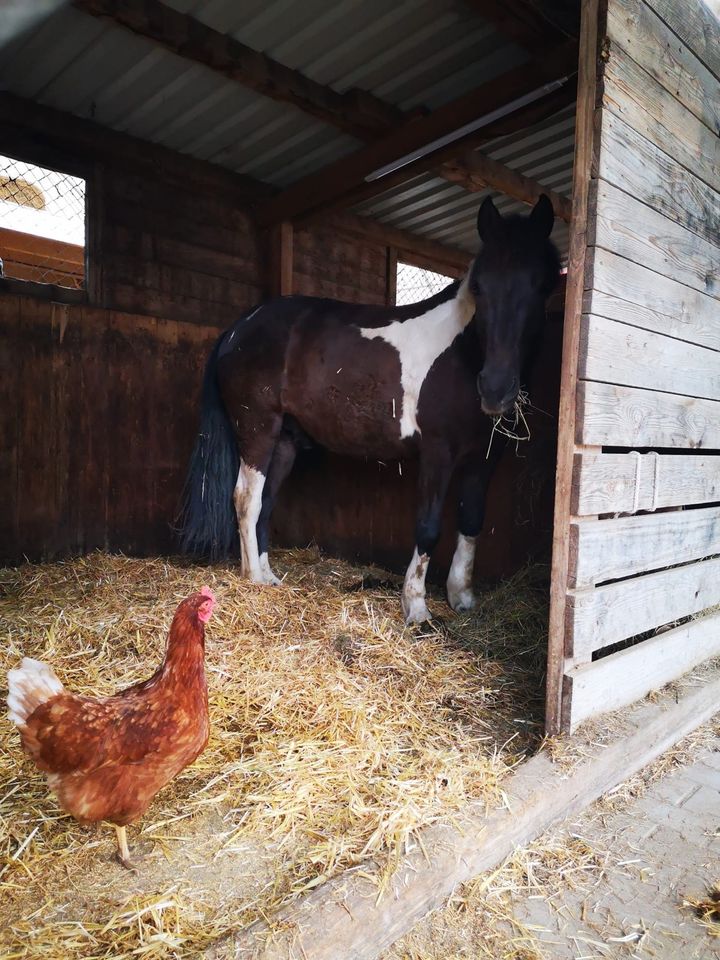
[(346, 918)]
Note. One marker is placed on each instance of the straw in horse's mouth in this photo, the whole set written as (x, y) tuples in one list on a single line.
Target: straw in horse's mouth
[(512, 424)]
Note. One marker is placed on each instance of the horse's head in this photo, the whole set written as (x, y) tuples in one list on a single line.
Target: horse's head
[(511, 278)]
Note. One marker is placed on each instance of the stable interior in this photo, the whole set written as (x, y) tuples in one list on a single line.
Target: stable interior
[(337, 733)]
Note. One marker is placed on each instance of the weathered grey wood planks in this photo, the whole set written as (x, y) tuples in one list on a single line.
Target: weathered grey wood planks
[(639, 167), (697, 27), (619, 353), (631, 93), (639, 31), (648, 363), (605, 615), (628, 227), (616, 681), (622, 290), (612, 415), (603, 550), (628, 482)]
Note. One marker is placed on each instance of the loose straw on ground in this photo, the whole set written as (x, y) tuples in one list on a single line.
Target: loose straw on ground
[(337, 734)]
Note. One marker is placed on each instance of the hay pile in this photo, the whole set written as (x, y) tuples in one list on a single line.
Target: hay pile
[(336, 734)]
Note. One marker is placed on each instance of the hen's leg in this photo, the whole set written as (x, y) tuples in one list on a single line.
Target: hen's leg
[(123, 854)]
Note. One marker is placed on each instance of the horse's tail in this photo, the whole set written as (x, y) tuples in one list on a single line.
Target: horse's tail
[(207, 518)]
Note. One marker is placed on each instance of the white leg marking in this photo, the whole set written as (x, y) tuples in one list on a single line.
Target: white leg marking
[(459, 582), (248, 500), (267, 571), (413, 593)]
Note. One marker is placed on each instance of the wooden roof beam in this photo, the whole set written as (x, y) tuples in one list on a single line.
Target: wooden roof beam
[(476, 171), (446, 163), (344, 182), (356, 112)]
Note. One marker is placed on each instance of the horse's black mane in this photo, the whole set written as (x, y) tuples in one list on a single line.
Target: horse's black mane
[(423, 306)]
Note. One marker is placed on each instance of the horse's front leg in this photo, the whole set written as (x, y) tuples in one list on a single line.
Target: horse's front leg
[(435, 472), (474, 481)]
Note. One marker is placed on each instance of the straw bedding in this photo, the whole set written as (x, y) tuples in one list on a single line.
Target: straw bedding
[(336, 734)]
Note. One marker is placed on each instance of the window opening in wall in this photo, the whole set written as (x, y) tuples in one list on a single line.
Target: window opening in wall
[(42, 224), (414, 283)]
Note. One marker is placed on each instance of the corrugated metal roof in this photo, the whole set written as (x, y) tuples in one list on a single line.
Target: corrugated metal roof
[(434, 208), (409, 53)]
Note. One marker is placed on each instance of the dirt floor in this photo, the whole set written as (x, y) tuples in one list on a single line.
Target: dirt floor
[(634, 876), (337, 733)]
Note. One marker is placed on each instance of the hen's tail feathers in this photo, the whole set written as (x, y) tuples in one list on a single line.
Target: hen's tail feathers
[(30, 685)]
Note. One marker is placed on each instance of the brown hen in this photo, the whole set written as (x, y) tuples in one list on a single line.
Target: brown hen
[(107, 757)]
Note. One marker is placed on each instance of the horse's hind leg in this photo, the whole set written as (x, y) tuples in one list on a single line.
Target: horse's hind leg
[(281, 464), (248, 503)]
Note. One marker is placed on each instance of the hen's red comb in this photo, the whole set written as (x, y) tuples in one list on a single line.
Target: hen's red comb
[(206, 607)]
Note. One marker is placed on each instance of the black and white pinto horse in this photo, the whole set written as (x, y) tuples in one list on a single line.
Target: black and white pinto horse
[(423, 380)]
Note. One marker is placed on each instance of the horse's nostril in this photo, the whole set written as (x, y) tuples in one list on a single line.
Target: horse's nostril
[(478, 383)]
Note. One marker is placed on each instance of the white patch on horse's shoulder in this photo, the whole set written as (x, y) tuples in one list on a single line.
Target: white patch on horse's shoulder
[(419, 341)]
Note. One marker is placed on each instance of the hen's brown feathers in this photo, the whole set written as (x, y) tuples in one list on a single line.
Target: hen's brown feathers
[(106, 758)]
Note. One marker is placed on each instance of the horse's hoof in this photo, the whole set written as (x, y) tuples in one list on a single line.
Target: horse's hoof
[(462, 601), (265, 578), (415, 611)]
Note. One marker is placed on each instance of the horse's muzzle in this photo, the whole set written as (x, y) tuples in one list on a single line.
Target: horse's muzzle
[(496, 402), (493, 410)]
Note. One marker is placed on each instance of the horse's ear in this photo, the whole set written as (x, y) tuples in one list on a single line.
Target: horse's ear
[(489, 220), (543, 215)]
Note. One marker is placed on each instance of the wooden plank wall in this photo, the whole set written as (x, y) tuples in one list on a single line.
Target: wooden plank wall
[(99, 417), (643, 524), (167, 235), (328, 264)]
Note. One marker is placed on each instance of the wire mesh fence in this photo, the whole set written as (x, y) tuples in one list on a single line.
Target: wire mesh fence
[(414, 284), (42, 224)]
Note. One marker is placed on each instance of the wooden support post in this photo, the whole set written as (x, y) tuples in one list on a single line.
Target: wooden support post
[(281, 259), (391, 277), (590, 35)]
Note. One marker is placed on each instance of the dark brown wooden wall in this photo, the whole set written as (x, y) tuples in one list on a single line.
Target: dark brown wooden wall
[(328, 264), (98, 421), (167, 235)]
